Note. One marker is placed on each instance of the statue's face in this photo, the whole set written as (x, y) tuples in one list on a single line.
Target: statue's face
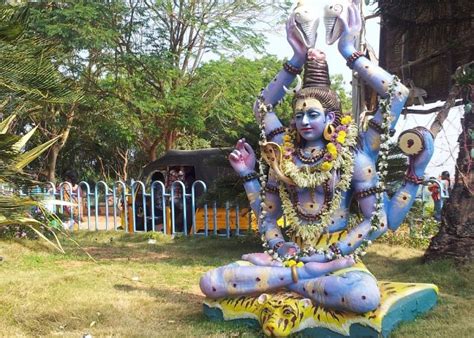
[(310, 119)]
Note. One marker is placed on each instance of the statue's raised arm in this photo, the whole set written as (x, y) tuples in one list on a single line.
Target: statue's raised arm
[(343, 24), (301, 32)]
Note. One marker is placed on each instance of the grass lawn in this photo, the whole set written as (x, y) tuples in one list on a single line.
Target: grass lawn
[(140, 289)]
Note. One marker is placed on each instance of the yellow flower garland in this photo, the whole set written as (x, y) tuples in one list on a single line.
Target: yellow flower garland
[(310, 177)]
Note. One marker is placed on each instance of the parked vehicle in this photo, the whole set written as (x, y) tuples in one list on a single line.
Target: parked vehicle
[(187, 166)]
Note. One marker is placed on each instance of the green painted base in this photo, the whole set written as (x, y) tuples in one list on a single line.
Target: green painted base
[(404, 309)]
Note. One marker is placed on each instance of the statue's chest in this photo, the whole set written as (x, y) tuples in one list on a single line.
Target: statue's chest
[(309, 203)]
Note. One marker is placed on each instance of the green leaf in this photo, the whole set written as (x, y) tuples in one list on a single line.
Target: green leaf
[(24, 139), (26, 158), (5, 124)]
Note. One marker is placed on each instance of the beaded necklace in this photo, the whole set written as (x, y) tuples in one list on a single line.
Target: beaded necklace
[(313, 158)]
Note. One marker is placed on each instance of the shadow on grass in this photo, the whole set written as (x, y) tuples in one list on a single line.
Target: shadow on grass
[(180, 251), (168, 295), (403, 265), (452, 279), (194, 304)]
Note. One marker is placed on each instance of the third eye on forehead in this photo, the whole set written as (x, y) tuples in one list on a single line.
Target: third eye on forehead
[(310, 112)]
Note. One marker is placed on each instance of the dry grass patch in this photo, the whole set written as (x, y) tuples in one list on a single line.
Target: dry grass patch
[(135, 289)]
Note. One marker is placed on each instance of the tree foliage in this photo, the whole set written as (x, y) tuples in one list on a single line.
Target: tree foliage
[(129, 80)]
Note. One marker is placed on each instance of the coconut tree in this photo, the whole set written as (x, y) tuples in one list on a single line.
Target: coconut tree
[(28, 78)]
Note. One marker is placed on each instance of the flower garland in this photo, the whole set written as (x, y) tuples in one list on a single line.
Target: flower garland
[(339, 155), (263, 109), (385, 109)]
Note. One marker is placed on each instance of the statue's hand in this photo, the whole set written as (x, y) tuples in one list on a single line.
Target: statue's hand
[(242, 158), (342, 20), (419, 162), (288, 249), (295, 39), (261, 259), (314, 269)]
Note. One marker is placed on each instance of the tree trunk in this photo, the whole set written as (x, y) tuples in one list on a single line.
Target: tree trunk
[(56, 148), (455, 238), (150, 147), (170, 140), (51, 166), (152, 152), (125, 167)]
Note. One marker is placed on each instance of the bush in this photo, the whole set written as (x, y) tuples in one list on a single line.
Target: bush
[(416, 235)]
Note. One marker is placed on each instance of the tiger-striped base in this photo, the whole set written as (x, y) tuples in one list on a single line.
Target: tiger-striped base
[(399, 302)]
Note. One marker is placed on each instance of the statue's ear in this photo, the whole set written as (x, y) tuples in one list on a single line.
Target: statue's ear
[(263, 298), (330, 117), (305, 302)]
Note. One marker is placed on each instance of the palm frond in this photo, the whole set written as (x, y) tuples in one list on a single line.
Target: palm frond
[(32, 224), (24, 139), (28, 157), (12, 22), (5, 124), (28, 64)]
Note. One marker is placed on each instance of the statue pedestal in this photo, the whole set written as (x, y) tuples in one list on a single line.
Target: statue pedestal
[(286, 313)]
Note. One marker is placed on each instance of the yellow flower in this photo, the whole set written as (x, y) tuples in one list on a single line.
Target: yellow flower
[(346, 120), (326, 166), (300, 264), (287, 138), (332, 149), (290, 263), (341, 137)]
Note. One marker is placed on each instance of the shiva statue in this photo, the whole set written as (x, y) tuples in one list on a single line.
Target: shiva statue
[(314, 169)]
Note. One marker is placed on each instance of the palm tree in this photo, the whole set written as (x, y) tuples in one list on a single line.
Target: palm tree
[(28, 77)]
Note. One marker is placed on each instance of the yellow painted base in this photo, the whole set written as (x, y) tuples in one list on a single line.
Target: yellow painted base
[(295, 313)]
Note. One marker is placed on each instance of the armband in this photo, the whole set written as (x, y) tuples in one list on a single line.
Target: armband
[(250, 177), (292, 69), (351, 59), (367, 192), (413, 178), (275, 132), (271, 189)]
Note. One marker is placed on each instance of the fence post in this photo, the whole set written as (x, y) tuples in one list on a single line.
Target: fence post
[(214, 217), (163, 204), (125, 204), (79, 198), (193, 205), (183, 200), (237, 220), (53, 193), (227, 219), (61, 196), (140, 183), (106, 195)]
